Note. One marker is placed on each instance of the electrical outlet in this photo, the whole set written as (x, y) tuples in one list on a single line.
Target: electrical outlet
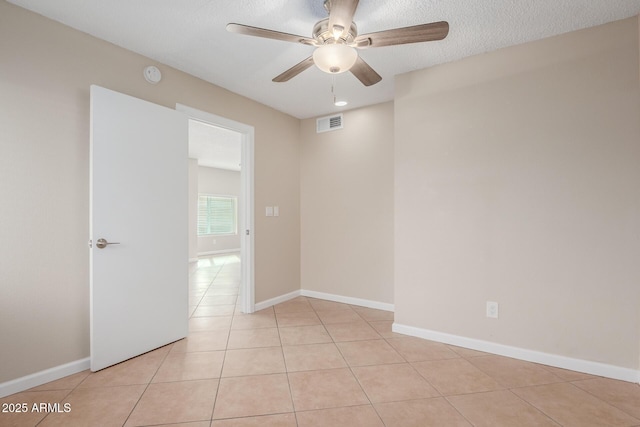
[(492, 309)]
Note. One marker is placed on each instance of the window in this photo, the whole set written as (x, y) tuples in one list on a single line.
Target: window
[(217, 214)]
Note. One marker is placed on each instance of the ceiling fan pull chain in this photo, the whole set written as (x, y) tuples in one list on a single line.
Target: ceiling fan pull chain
[(333, 84)]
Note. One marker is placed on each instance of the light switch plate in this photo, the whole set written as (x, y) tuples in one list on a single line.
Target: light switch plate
[(269, 211), (276, 211)]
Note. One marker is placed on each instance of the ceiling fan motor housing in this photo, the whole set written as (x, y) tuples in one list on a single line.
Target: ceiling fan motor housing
[(324, 35)]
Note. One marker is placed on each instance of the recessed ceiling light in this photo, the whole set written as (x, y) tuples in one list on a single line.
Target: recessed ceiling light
[(340, 103)]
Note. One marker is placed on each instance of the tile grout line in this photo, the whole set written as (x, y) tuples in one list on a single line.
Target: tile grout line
[(286, 369), (591, 394), (224, 357), (351, 368), (534, 406), (61, 401), (146, 387)]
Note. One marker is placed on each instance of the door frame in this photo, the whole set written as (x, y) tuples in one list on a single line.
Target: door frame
[(246, 229)]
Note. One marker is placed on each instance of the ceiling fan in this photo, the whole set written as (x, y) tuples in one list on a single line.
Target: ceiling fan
[(336, 40)]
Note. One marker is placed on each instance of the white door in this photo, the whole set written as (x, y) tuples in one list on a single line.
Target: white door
[(139, 292)]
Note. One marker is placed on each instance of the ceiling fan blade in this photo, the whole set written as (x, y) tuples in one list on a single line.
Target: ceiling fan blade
[(365, 73), (341, 14), (294, 71), (405, 35), (269, 34)]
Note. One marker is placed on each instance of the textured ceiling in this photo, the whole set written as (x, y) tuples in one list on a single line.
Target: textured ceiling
[(213, 146), (190, 35)]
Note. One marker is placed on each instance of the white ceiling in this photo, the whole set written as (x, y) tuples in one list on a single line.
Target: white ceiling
[(213, 146), (190, 35)]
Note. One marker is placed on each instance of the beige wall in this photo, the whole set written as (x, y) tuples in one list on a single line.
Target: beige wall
[(218, 182), (517, 181), (347, 206), (45, 73)]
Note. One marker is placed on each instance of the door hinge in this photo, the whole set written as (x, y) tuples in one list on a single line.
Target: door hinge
[(246, 232)]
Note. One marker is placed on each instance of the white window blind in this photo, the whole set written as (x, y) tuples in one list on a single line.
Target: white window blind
[(217, 214)]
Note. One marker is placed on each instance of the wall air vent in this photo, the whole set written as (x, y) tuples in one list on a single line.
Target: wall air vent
[(325, 124)]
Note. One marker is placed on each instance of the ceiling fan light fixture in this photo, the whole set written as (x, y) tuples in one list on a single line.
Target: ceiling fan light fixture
[(337, 31), (335, 58)]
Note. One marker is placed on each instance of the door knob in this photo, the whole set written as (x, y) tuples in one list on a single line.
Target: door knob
[(102, 243)]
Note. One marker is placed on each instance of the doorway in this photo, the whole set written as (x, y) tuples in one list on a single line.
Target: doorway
[(243, 135)]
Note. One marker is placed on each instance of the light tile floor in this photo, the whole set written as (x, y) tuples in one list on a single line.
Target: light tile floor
[(309, 362)]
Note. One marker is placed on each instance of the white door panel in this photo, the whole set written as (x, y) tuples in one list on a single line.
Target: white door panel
[(139, 292)]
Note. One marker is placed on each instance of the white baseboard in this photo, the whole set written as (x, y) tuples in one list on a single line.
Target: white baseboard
[(277, 300), (348, 300), (328, 297), (223, 251), (43, 377), (579, 365)]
